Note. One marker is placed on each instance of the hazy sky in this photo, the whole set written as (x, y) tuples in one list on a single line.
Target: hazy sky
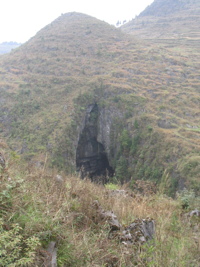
[(22, 19)]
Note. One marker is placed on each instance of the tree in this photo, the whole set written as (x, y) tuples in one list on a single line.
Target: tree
[(122, 173)]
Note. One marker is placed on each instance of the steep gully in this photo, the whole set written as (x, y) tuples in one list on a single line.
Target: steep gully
[(91, 157)]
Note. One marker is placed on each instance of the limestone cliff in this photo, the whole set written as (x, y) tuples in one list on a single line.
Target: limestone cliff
[(91, 156)]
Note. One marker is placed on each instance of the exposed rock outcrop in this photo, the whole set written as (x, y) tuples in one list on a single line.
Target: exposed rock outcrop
[(138, 232), (108, 216), (107, 116), (91, 157)]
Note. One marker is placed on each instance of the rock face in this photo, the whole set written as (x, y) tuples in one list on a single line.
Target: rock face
[(107, 117), (91, 158)]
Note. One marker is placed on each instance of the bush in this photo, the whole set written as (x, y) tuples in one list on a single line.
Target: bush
[(122, 173), (187, 198), (125, 140), (15, 250)]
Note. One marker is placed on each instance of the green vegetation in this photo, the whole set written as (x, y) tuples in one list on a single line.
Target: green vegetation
[(15, 250), (38, 209), (147, 94), (121, 170)]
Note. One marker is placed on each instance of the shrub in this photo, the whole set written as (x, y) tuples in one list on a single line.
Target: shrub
[(15, 250), (125, 140), (186, 198), (122, 173)]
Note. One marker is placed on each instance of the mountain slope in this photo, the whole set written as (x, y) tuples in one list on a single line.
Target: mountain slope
[(40, 208), (167, 18), (160, 8), (147, 101), (173, 24)]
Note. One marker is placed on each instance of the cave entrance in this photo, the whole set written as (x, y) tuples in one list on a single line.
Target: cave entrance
[(91, 158)]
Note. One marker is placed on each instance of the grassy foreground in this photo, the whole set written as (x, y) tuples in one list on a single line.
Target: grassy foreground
[(37, 207)]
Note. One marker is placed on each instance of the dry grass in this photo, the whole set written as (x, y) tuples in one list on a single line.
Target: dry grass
[(73, 58), (63, 211)]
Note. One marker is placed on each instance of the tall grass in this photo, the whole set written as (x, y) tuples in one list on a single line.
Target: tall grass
[(63, 211)]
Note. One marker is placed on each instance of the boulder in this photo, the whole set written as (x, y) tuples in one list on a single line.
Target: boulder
[(194, 213), (107, 216), (138, 232)]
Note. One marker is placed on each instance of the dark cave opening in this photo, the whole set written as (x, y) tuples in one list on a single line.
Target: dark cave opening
[(91, 158)]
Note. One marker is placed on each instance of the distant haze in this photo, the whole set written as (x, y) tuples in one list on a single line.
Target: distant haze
[(22, 19), (6, 47)]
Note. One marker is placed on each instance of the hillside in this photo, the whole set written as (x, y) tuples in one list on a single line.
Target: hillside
[(53, 220), (83, 93), (175, 19), (173, 24)]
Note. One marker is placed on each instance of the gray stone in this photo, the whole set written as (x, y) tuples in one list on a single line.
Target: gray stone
[(59, 178), (141, 230), (108, 216), (138, 232), (194, 213), (52, 252)]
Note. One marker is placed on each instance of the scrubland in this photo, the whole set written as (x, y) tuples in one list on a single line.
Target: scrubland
[(37, 208)]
